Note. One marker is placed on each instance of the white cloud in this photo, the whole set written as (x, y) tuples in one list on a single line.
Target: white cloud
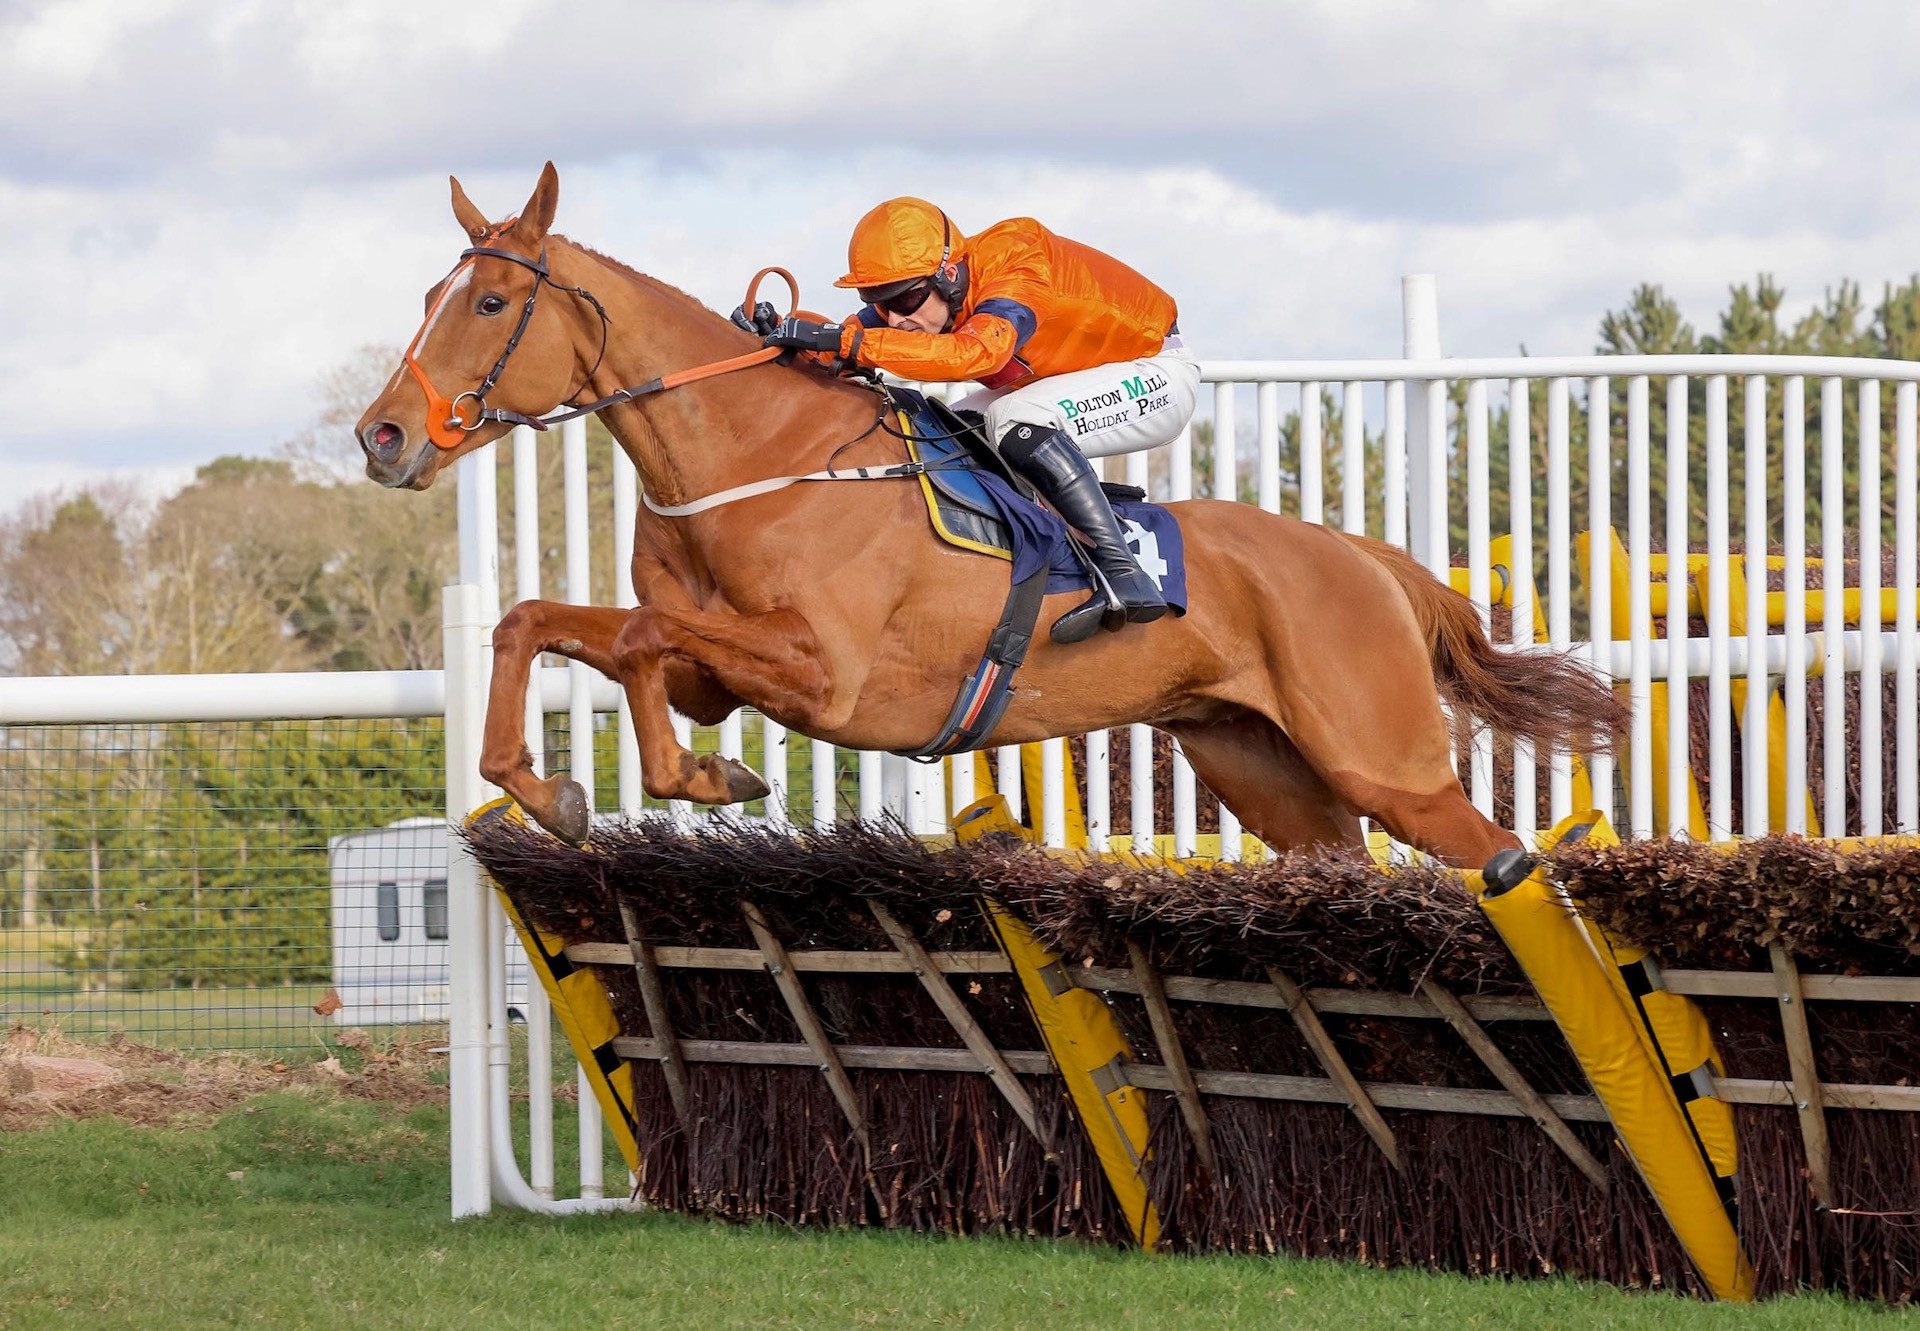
[(208, 213)]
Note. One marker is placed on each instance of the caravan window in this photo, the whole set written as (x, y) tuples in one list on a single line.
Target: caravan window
[(387, 911), (436, 903)]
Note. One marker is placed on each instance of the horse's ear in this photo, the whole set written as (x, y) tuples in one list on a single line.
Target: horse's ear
[(537, 216), (471, 219)]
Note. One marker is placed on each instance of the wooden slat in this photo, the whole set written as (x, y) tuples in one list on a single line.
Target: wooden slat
[(1517, 1086), (1180, 988), (1807, 1096), (809, 1021), (1332, 1002), (962, 1021), (653, 997), (1755, 1091), (1150, 1076), (1315, 1033), (826, 961), (1173, 1056), (1388, 1095), (885, 1058), (1816, 988), (1242, 993)]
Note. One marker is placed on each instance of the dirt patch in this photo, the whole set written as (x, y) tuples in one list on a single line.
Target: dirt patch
[(147, 1085)]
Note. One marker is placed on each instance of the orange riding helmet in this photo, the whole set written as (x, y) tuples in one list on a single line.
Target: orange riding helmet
[(900, 242)]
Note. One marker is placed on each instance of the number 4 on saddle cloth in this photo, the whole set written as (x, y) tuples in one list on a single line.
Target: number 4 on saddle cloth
[(975, 505)]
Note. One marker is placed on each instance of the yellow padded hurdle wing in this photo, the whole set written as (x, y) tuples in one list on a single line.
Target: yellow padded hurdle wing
[(580, 1003), (1082, 1038), (1672, 1026), (1543, 930)]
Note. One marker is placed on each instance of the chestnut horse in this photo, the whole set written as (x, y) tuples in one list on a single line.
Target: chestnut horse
[(1304, 683)]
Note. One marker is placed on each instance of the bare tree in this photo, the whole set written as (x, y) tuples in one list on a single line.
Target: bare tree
[(325, 451)]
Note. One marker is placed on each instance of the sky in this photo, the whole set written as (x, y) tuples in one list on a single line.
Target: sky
[(209, 206)]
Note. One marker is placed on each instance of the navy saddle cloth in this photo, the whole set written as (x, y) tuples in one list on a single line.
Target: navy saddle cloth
[(975, 507)]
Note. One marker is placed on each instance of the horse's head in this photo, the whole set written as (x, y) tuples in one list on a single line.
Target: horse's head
[(488, 345)]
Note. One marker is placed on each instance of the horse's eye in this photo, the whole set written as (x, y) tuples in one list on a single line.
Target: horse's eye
[(492, 304)]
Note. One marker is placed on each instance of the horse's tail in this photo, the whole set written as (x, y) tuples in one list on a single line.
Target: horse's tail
[(1547, 698)]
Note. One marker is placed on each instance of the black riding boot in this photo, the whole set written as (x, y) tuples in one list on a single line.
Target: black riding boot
[(1122, 594)]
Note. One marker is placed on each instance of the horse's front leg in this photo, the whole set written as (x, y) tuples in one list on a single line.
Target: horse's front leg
[(581, 632), (772, 661)]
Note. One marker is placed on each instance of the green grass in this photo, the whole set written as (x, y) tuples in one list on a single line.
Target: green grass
[(300, 1209)]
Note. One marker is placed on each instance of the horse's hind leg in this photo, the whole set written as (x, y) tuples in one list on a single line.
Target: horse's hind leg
[(1256, 771), (1404, 780), (1349, 678)]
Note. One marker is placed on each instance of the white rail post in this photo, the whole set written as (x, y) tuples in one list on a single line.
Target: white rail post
[(1224, 485), (1872, 683), (1312, 456), (1559, 570), (1053, 791), (1906, 591), (626, 506), (1526, 790), (1833, 623), (1679, 579), (573, 454), (825, 804), (539, 1010), (1185, 791), (1099, 790), (464, 626), (1420, 340), (1793, 531), (1719, 619), (1267, 435), (1755, 815), (1639, 608), (1140, 737), (1600, 564), (1393, 463), (1479, 572), (1353, 458)]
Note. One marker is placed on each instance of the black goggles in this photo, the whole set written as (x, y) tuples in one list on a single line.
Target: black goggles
[(897, 299)]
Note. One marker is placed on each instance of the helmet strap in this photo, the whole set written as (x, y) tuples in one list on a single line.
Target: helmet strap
[(950, 278)]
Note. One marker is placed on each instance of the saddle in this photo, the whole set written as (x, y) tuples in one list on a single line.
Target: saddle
[(954, 448), (974, 502)]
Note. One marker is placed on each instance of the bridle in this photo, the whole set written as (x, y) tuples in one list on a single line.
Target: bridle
[(447, 426)]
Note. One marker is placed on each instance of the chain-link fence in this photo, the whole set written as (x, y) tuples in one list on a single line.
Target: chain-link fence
[(185, 883), (251, 884)]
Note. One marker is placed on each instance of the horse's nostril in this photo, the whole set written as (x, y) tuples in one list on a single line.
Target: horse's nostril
[(384, 440)]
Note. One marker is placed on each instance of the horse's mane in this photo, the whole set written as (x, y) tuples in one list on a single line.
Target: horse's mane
[(674, 293), (633, 274)]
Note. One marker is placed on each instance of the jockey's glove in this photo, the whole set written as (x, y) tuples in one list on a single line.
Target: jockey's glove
[(804, 335), (763, 320)]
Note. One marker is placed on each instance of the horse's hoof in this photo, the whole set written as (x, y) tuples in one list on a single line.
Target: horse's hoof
[(743, 783), (571, 817)]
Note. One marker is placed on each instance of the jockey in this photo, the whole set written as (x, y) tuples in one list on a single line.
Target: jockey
[(1077, 356)]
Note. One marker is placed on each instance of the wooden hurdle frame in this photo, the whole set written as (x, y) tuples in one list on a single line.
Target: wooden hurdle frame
[(1082, 1043)]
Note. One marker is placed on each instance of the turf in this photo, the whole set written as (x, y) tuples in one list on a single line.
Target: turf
[(303, 1208)]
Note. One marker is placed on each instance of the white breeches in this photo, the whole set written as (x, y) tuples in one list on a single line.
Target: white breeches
[(1119, 408)]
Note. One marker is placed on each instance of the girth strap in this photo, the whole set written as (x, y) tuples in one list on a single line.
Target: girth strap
[(984, 697)]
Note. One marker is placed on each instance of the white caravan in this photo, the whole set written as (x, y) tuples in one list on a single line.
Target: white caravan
[(390, 926)]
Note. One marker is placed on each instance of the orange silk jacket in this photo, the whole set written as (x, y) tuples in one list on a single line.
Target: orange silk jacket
[(1037, 304)]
